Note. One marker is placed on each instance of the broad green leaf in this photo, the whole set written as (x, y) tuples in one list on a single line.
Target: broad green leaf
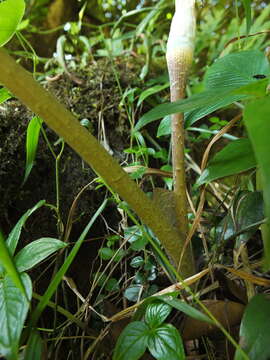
[(234, 158), (13, 310), (35, 252), (11, 13), (247, 6), (63, 269), (6, 261), (226, 82), (34, 346), (32, 136), (150, 91), (132, 342), (156, 313), (165, 343), (15, 233), (236, 70), (4, 95), (185, 308), (256, 118), (255, 329)]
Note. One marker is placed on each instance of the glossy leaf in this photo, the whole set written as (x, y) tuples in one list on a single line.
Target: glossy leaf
[(132, 342), (256, 118), (13, 310), (137, 262), (186, 308), (15, 233), (32, 136), (8, 267), (234, 158), (255, 329), (156, 313), (165, 343), (11, 13), (35, 252)]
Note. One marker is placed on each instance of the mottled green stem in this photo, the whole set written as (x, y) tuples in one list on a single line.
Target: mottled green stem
[(179, 58)]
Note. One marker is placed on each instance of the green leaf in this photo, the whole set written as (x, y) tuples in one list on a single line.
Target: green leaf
[(156, 313), (237, 70), (243, 219), (137, 262), (256, 118), (165, 343), (11, 13), (106, 253), (234, 158), (13, 310), (134, 236), (164, 127), (206, 98), (255, 329), (185, 308), (132, 292), (112, 285), (32, 136), (7, 262), (247, 6), (15, 233), (132, 342), (225, 81), (152, 90), (35, 252), (34, 346), (4, 95)]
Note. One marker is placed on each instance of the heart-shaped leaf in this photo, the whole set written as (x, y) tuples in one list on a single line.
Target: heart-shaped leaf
[(132, 342), (165, 343), (156, 313)]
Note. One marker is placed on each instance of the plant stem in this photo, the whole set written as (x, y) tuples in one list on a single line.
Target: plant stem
[(179, 58), (59, 119)]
